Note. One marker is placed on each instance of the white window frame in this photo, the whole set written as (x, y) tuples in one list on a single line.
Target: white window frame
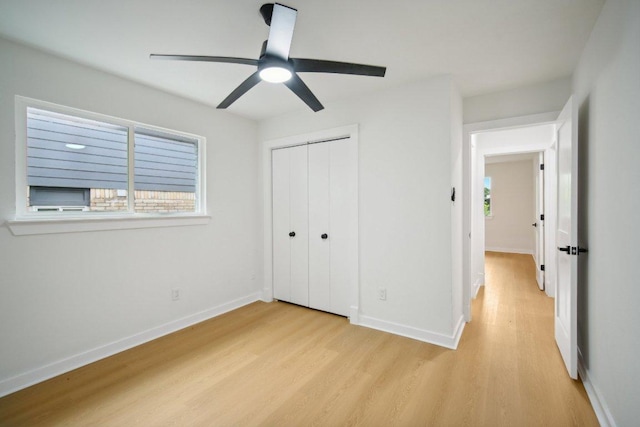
[(27, 221)]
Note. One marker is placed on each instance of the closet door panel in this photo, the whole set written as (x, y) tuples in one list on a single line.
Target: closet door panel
[(319, 247), (281, 225), (299, 223), (343, 214)]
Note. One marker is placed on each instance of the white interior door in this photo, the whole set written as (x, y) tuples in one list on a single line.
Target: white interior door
[(333, 224), (319, 237), (540, 255), (290, 225), (566, 323), (299, 199), (315, 224), (281, 225)]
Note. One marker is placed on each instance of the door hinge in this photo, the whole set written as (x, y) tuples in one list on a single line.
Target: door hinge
[(542, 217), (542, 267), (541, 166)]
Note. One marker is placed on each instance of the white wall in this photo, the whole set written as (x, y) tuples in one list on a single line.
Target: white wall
[(523, 101), (607, 88), (66, 294), (405, 214), (512, 205)]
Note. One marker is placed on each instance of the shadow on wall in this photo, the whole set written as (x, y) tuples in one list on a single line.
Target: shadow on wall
[(583, 229)]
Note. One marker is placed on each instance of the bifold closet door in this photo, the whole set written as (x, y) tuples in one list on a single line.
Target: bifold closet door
[(332, 224), (320, 234), (290, 225)]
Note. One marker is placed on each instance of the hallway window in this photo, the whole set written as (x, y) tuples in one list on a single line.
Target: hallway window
[(487, 196)]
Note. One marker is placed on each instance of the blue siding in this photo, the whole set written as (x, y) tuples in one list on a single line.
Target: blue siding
[(162, 162)]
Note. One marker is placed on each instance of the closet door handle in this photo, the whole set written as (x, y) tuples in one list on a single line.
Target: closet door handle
[(292, 234), (566, 249), (324, 236)]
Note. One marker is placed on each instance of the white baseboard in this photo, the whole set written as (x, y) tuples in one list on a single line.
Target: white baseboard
[(457, 332), (509, 250), (595, 397), (415, 333), (59, 367), (476, 288)]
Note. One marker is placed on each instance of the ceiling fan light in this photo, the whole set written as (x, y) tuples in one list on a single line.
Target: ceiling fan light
[(275, 74)]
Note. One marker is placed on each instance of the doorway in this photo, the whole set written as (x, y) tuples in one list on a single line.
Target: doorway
[(515, 137)]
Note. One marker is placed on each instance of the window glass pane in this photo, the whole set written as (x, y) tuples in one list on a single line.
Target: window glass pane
[(71, 158), (166, 170), (487, 196)]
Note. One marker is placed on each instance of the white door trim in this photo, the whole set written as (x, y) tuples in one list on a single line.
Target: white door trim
[(468, 130), (350, 131)]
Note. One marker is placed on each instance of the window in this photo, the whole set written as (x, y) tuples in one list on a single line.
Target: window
[(72, 163), (487, 196)]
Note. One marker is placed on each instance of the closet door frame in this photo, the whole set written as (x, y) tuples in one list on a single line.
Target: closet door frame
[(310, 138)]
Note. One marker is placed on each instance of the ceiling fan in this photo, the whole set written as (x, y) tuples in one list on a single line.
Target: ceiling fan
[(275, 65)]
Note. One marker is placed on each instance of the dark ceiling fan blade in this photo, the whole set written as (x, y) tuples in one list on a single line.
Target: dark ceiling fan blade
[(253, 80), (283, 20), (302, 65), (302, 90), (227, 59)]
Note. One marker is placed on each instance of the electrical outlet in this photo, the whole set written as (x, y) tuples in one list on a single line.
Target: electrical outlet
[(382, 294), (175, 294)]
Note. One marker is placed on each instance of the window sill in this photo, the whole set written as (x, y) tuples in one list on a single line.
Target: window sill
[(32, 226)]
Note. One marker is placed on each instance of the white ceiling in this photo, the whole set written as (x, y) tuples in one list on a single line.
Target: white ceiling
[(487, 45)]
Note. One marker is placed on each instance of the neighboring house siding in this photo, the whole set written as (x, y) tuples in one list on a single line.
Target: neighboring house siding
[(101, 164), (161, 163)]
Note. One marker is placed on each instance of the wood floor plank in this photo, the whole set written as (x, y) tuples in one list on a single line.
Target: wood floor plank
[(279, 364)]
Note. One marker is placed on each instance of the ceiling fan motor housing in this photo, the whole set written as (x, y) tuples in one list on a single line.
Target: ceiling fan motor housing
[(267, 61), (266, 10)]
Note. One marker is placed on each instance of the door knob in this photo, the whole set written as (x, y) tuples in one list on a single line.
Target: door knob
[(535, 224), (324, 236), (566, 249), (292, 234)]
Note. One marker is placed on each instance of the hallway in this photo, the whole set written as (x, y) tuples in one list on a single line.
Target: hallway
[(512, 337)]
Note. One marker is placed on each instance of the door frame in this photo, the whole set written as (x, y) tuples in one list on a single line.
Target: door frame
[(350, 131), (541, 229), (472, 281)]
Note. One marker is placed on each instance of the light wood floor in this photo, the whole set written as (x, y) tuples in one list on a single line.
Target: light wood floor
[(281, 365)]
